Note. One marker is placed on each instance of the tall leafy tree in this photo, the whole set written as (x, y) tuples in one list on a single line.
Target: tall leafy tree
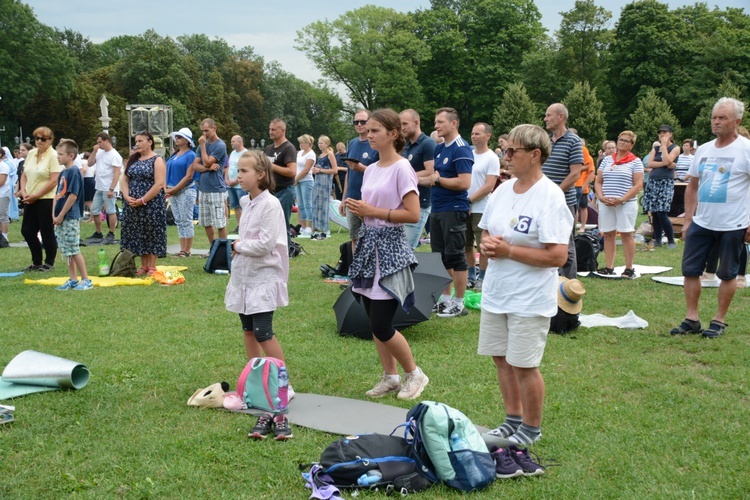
[(584, 37), (371, 51), (651, 113), (516, 108), (644, 54), (33, 62), (586, 113), (477, 47)]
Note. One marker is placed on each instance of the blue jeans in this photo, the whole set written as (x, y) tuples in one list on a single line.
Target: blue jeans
[(414, 231), (304, 199), (285, 196)]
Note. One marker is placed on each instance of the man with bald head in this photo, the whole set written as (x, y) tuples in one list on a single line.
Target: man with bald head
[(563, 167), (234, 190), (283, 156)]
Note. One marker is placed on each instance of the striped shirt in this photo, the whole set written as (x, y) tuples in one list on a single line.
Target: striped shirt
[(566, 151), (683, 164), (618, 179)]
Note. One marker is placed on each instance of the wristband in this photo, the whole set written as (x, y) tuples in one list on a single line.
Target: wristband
[(389, 215)]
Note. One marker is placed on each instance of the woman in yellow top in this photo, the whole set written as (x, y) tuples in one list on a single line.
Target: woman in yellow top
[(38, 184)]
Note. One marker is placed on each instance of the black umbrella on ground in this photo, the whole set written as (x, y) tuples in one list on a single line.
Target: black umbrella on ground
[(430, 279)]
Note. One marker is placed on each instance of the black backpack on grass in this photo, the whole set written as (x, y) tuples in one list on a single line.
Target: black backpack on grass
[(220, 256), (587, 252), (387, 462)]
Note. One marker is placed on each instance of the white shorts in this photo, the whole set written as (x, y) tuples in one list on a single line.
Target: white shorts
[(619, 217), (521, 340)]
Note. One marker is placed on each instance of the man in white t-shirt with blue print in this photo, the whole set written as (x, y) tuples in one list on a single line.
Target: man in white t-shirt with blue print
[(717, 213)]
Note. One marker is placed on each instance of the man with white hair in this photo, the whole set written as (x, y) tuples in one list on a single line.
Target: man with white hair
[(716, 215)]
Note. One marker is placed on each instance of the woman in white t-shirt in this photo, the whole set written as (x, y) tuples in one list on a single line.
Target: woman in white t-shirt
[(304, 182), (618, 182), (526, 227)]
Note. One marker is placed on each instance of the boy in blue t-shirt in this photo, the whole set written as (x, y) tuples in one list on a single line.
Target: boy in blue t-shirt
[(66, 215)]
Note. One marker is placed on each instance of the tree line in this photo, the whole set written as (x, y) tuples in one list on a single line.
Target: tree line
[(492, 60)]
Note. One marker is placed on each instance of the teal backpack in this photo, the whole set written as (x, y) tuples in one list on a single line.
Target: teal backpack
[(264, 385), (448, 448)]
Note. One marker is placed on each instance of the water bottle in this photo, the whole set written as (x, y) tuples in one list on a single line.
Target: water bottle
[(103, 263), (370, 478), (283, 377), (466, 460), (221, 271)]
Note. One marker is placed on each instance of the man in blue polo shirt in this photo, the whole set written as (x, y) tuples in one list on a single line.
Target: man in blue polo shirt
[(360, 155), (211, 155), (420, 151), (450, 209), (563, 167)]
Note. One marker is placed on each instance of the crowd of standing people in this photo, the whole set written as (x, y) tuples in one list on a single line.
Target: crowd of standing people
[(517, 205)]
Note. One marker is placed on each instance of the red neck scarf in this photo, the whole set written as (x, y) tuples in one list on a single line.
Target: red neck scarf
[(628, 158)]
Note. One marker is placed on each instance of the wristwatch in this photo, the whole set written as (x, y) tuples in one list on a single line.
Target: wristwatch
[(437, 181)]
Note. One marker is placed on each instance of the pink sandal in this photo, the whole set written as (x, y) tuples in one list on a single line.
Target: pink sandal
[(151, 270), (140, 272)]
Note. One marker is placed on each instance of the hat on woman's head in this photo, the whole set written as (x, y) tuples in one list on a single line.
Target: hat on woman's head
[(666, 128), (570, 295), (186, 133)]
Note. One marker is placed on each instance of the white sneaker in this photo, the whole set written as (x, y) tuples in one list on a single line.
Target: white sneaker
[(414, 384), (308, 231), (384, 386), (440, 307), (453, 310), (290, 393)]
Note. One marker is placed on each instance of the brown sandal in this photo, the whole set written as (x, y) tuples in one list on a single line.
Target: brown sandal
[(182, 253)]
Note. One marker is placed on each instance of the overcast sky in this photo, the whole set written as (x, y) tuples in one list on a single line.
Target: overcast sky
[(269, 27)]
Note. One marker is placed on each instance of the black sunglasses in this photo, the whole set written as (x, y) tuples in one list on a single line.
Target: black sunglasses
[(43, 139), (511, 151), (359, 122)]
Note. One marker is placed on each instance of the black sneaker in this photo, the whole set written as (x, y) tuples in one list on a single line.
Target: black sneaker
[(523, 459), (281, 428), (96, 236), (109, 239), (45, 268), (262, 427)]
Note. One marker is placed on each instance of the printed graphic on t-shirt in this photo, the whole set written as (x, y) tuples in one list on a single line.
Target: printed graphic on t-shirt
[(714, 179), (523, 224)]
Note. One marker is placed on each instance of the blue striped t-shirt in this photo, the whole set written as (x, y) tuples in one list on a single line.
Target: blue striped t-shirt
[(566, 151), (618, 179)]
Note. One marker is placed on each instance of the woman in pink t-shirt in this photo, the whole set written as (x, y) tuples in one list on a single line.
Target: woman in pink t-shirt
[(383, 260)]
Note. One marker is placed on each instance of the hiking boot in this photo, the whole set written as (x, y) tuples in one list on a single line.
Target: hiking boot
[(413, 385), (453, 310), (478, 285), (440, 307), (96, 236), (523, 459), (384, 386), (505, 466), (262, 427), (281, 429), (84, 285), (109, 239), (68, 285)]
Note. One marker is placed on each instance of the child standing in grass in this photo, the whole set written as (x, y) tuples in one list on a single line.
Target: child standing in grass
[(383, 260), (260, 271), (66, 216)]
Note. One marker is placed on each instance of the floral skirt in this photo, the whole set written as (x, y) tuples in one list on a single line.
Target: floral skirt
[(658, 195)]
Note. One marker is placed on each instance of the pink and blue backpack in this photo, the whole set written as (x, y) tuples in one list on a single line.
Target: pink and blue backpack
[(263, 384)]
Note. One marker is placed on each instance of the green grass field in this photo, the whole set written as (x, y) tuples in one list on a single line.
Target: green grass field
[(628, 414)]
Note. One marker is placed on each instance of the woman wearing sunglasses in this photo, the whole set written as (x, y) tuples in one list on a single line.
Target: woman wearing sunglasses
[(618, 182), (38, 183)]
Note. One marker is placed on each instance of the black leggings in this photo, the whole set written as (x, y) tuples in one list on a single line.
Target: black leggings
[(661, 223), (37, 218), (381, 314), (261, 324)]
